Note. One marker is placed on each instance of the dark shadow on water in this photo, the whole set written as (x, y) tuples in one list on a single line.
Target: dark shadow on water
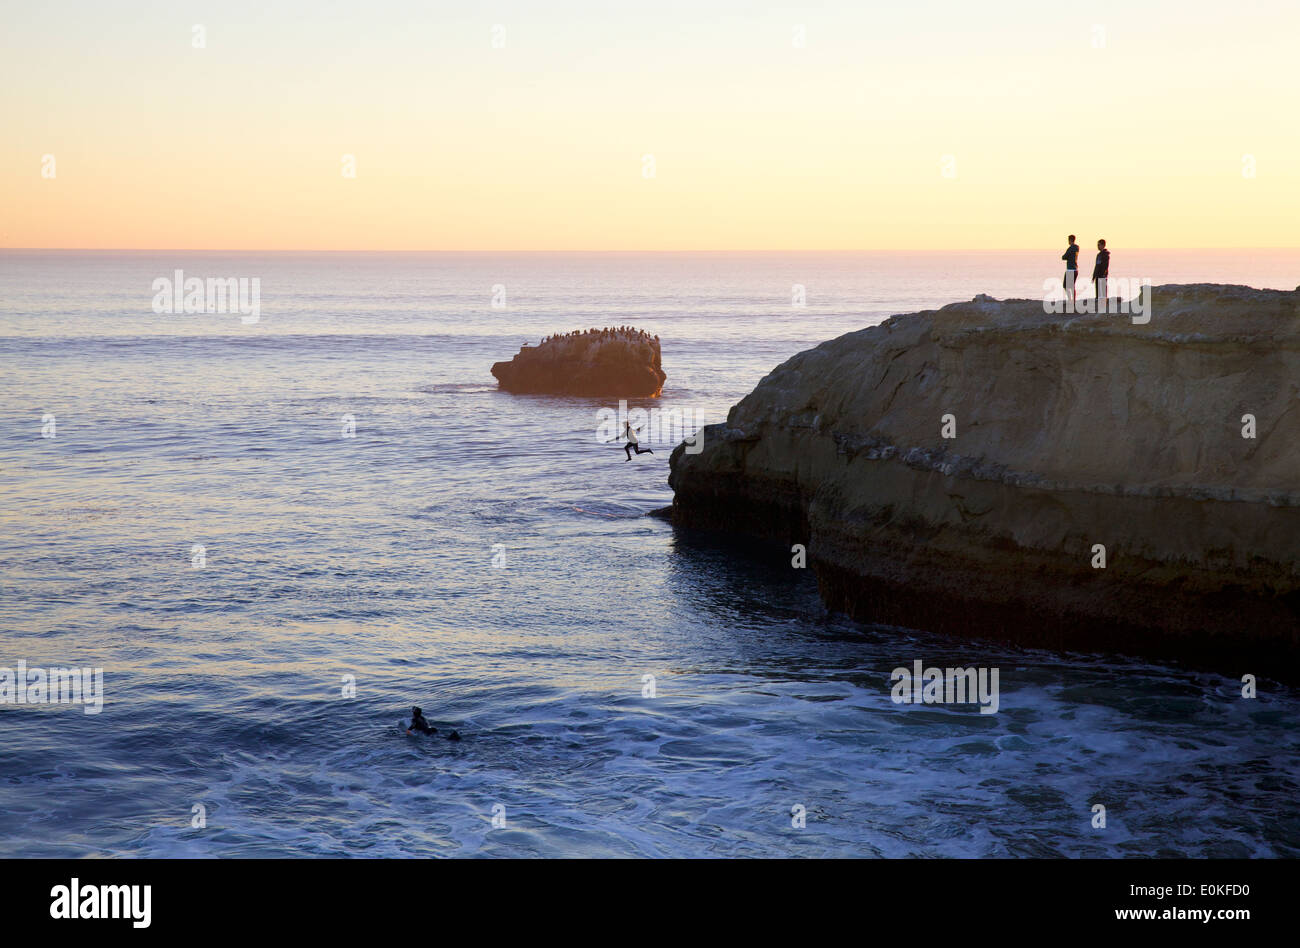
[(721, 574), (743, 585)]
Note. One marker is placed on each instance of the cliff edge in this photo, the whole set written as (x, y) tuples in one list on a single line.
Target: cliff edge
[(623, 362), (1075, 482)]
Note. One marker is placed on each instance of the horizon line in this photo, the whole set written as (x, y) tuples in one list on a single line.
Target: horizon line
[(587, 251)]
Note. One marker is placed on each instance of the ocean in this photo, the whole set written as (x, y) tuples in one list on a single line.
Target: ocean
[(276, 536)]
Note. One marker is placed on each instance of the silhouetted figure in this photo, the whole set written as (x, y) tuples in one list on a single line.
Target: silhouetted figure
[(418, 723), (1071, 258), (1100, 272)]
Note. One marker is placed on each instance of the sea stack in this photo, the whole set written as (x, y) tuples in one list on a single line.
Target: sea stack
[(624, 363), (991, 470)]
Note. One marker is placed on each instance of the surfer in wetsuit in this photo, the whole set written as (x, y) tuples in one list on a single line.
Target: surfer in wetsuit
[(418, 723), (632, 442)]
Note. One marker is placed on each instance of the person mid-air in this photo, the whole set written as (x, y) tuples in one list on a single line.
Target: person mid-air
[(630, 434)]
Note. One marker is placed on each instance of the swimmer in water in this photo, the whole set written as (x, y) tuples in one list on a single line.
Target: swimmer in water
[(418, 723)]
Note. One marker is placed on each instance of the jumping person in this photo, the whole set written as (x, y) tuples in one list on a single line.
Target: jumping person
[(632, 442), (1071, 258), (1100, 271)]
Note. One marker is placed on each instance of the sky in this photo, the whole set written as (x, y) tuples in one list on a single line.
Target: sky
[(701, 125)]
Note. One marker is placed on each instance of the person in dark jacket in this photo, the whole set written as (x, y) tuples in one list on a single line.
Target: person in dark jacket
[(1071, 258), (418, 723), (1100, 271)]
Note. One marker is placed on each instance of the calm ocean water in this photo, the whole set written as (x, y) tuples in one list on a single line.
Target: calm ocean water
[(372, 557)]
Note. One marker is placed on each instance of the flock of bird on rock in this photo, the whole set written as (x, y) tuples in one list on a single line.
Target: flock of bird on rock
[(625, 333)]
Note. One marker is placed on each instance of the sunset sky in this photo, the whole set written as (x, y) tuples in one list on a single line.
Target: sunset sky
[(758, 142)]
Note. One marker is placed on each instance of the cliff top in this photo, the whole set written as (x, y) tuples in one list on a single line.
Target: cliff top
[(1067, 401), (1178, 312)]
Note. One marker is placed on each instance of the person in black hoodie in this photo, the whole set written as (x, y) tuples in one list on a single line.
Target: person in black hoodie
[(1100, 271)]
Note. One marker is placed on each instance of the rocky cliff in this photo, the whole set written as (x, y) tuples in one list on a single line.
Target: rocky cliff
[(598, 362), (1071, 438)]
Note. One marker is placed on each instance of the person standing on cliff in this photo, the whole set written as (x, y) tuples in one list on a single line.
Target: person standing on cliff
[(1100, 271), (1071, 258), (632, 441)]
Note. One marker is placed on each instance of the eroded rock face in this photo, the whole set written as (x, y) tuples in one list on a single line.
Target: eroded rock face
[(1071, 432), (602, 362)]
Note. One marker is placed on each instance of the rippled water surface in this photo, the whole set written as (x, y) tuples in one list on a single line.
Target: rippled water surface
[(372, 557)]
